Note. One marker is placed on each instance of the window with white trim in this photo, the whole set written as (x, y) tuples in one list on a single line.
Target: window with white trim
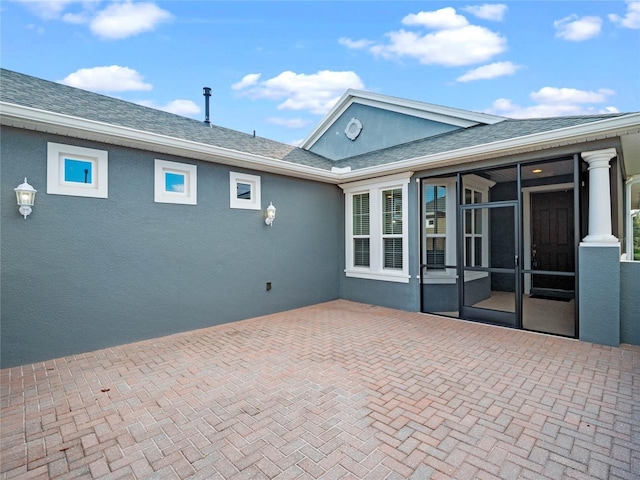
[(376, 229), (435, 212), (244, 191), (175, 183), (440, 229), (361, 230), (475, 226), (77, 171)]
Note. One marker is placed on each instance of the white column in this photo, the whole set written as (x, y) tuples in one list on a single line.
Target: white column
[(599, 197)]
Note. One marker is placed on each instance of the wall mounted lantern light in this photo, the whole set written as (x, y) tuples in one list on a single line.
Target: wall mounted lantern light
[(271, 214), (25, 195)]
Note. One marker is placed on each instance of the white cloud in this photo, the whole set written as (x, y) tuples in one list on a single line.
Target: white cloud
[(454, 47), (48, 9), (552, 95), (631, 19), (316, 93), (181, 107), (186, 108), (493, 70), (76, 18), (454, 42), (122, 20), (355, 44), (488, 11), (553, 102), (288, 122), (443, 19), (577, 29), (247, 81), (113, 78)]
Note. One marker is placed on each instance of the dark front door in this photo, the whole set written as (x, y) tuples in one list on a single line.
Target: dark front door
[(552, 248)]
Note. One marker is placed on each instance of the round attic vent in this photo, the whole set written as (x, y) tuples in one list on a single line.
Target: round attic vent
[(354, 127)]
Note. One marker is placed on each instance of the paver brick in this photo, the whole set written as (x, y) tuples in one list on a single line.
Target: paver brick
[(337, 390)]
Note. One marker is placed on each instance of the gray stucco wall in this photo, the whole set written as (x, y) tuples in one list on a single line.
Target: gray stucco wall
[(380, 129), (83, 273), (630, 302), (599, 296), (402, 296)]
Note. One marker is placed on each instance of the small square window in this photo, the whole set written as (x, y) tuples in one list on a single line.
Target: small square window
[(76, 171), (244, 191), (175, 183)]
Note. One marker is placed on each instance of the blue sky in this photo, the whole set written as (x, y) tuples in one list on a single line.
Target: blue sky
[(278, 67)]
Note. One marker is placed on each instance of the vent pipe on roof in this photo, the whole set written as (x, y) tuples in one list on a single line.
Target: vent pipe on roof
[(206, 91)]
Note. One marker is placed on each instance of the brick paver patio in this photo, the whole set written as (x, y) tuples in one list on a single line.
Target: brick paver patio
[(337, 390)]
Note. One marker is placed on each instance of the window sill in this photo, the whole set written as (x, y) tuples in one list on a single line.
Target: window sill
[(382, 276)]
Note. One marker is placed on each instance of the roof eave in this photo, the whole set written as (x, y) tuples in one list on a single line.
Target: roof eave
[(61, 124), (598, 130), (40, 120)]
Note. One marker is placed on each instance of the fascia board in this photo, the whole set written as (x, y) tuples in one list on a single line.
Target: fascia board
[(627, 124), (426, 110), (338, 109), (438, 113), (27, 117), (60, 124), (436, 116)]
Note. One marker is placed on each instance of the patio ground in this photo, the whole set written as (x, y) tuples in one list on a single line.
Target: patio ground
[(337, 390)]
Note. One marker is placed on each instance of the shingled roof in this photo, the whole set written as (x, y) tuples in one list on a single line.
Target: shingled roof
[(28, 91), (468, 137)]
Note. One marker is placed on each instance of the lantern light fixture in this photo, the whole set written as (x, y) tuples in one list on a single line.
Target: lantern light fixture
[(25, 196), (271, 214)]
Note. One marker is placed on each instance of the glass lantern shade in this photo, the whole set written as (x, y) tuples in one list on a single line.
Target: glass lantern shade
[(25, 197)]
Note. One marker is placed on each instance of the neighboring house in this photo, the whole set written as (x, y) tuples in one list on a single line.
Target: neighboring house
[(147, 223)]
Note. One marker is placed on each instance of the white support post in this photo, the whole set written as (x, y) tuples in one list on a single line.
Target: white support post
[(599, 198)]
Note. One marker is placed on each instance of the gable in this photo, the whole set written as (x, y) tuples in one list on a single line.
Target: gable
[(362, 122), (380, 128)]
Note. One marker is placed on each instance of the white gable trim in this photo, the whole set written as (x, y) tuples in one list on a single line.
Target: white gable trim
[(427, 111)]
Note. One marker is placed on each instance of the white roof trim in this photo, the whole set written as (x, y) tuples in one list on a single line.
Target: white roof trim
[(60, 124), (428, 111), (40, 120), (602, 129)]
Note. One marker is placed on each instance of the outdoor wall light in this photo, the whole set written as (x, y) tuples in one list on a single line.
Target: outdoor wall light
[(271, 214), (25, 195)]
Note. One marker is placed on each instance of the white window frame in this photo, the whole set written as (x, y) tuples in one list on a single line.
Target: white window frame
[(58, 153), (449, 275), (484, 235), (374, 188), (190, 172), (253, 203)]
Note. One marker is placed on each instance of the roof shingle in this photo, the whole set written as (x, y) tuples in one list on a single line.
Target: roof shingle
[(24, 90)]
